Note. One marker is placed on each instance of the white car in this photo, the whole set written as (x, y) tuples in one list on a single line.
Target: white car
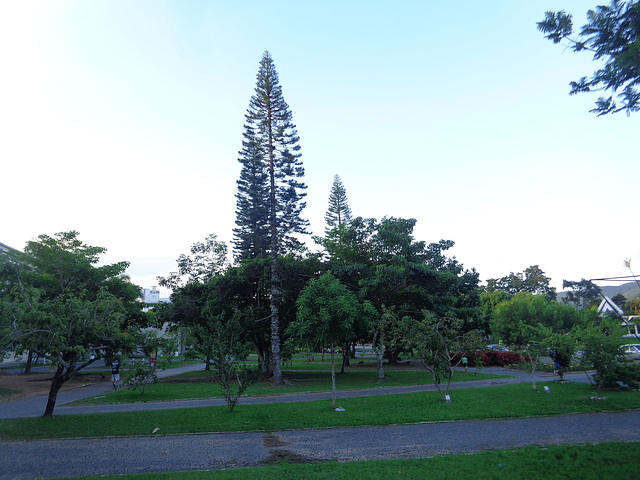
[(632, 351)]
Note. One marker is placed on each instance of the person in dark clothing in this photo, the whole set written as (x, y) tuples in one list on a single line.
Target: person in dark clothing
[(115, 372)]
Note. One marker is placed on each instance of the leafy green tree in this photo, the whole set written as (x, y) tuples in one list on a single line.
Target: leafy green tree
[(518, 322), (229, 345), (383, 263), (489, 301), (532, 280), (150, 342), (207, 259), (63, 306), (601, 352), (612, 34), (634, 305), (562, 347), (535, 325), (440, 343), (241, 293), (582, 294), (338, 212), (270, 139), (620, 300), (327, 314)]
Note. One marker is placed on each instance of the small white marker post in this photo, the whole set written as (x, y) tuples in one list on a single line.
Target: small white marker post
[(546, 389), (447, 398)]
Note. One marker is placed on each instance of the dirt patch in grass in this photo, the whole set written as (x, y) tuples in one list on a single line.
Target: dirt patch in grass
[(278, 454), (16, 386)]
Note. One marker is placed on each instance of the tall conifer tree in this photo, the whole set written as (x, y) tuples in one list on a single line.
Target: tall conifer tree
[(270, 194), (251, 237), (338, 212)]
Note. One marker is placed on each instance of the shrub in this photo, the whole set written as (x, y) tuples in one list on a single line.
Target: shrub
[(192, 354), (495, 358), (490, 358)]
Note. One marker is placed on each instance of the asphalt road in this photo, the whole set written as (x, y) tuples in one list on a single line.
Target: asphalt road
[(109, 456)]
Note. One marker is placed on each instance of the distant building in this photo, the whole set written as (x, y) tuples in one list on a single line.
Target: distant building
[(153, 296), (6, 248)]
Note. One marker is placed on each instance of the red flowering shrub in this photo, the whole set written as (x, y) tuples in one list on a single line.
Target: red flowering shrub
[(490, 358)]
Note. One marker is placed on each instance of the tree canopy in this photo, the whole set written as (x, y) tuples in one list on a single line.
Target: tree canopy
[(612, 34), (57, 302), (327, 316), (532, 280)]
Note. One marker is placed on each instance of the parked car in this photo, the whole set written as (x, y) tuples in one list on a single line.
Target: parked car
[(499, 348), (632, 351)]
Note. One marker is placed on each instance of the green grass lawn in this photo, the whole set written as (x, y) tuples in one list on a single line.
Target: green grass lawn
[(604, 461), (467, 404), (297, 382)]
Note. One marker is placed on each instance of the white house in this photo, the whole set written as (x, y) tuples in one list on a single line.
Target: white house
[(6, 248), (607, 305)]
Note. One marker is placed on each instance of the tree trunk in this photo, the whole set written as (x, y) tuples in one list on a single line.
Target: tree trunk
[(436, 382), (345, 359), (449, 376), (27, 367), (58, 380), (62, 376), (380, 356), (276, 354), (275, 276), (333, 380), (262, 361), (533, 373)]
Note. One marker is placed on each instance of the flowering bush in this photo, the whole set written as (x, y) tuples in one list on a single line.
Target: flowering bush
[(491, 358)]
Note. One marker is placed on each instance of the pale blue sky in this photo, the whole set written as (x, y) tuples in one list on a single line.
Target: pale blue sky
[(123, 119)]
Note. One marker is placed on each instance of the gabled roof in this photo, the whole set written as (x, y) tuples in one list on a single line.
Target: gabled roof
[(607, 305), (6, 248)]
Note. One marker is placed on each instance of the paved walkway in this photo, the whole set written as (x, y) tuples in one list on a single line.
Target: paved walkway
[(108, 456), (34, 407), (111, 456)]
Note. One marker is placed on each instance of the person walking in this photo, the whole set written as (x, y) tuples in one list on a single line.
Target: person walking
[(115, 372)]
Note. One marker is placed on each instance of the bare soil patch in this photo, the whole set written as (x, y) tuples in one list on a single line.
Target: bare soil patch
[(16, 386)]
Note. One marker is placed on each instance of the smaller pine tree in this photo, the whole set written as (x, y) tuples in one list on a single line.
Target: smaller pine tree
[(338, 212)]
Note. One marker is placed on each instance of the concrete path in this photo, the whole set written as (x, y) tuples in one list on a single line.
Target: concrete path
[(112, 456), (158, 453), (34, 407)]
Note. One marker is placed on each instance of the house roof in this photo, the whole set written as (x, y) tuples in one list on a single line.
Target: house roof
[(607, 305), (6, 248)]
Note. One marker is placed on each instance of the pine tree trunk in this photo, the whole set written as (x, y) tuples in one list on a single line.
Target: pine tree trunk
[(275, 274)]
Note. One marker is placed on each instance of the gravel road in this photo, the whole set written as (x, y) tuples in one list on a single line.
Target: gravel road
[(108, 456)]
